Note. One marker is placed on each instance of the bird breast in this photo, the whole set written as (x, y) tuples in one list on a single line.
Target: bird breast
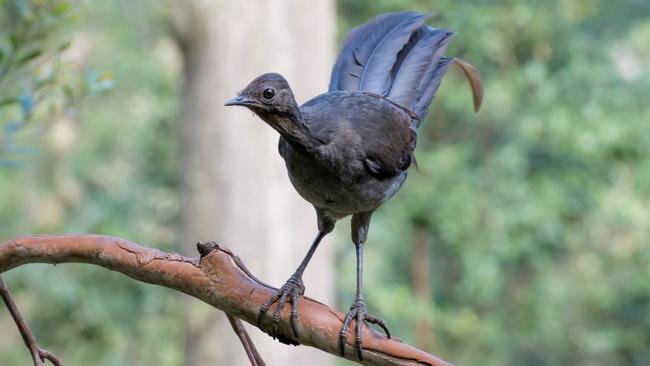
[(340, 187)]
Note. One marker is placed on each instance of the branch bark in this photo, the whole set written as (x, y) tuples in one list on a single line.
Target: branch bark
[(217, 278)]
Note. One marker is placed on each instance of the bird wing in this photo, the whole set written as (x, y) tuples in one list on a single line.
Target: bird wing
[(364, 127), (386, 138)]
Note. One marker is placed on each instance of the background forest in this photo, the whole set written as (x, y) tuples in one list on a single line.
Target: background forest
[(523, 238)]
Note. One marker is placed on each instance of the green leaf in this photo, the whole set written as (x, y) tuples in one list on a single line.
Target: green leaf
[(13, 39), (29, 56), (7, 101), (62, 8), (68, 92), (38, 36), (65, 45), (2, 55)]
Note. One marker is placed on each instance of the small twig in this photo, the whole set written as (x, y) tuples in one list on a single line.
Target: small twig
[(204, 248), (246, 341), (39, 355)]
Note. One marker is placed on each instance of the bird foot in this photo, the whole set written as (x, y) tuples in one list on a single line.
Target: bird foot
[(291, 290), (359, 312)]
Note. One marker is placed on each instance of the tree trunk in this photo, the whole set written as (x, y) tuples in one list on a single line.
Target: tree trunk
[(235, 187), (421, 279)]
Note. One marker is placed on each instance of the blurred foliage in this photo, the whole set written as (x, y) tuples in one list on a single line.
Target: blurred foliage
[(108, 165), (37, 83), (534, 214), (536, 211)]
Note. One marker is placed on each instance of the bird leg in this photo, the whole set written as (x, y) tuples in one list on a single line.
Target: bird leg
[(291, 290), (358, 311)]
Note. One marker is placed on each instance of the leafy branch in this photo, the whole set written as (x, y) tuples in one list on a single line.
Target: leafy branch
[(37, 83)]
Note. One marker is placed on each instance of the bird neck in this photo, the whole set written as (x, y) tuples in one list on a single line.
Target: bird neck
[(291, 125)]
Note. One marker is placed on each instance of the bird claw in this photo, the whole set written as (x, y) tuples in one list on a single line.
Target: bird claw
[(359, 312), (292, 290)]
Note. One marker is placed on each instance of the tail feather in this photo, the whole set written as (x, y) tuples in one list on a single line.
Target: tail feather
[(396, 56), (417, 69), (370, 50), (428, 87)]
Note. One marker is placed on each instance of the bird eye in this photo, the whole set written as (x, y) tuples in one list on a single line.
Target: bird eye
[(268, 93)]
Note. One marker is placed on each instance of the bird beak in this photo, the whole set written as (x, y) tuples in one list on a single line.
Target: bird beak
[(241, 100)]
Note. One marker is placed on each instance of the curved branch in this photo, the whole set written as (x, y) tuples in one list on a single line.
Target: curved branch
[(217, 278)]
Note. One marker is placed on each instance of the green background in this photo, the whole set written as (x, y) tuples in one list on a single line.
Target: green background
[(530, 220)]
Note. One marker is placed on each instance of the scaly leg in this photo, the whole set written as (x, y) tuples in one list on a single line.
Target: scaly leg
[(292, 290), (359, 311)]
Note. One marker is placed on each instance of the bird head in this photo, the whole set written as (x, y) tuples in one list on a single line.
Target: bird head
[(267, 95)]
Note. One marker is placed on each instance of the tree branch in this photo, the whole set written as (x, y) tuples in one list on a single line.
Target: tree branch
[(39, 355), (217, 278), (246, 341)]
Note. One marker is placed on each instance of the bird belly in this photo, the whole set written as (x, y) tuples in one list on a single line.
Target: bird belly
[(341, 193)]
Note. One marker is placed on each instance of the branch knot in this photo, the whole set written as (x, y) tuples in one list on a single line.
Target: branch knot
[(206, 247)]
